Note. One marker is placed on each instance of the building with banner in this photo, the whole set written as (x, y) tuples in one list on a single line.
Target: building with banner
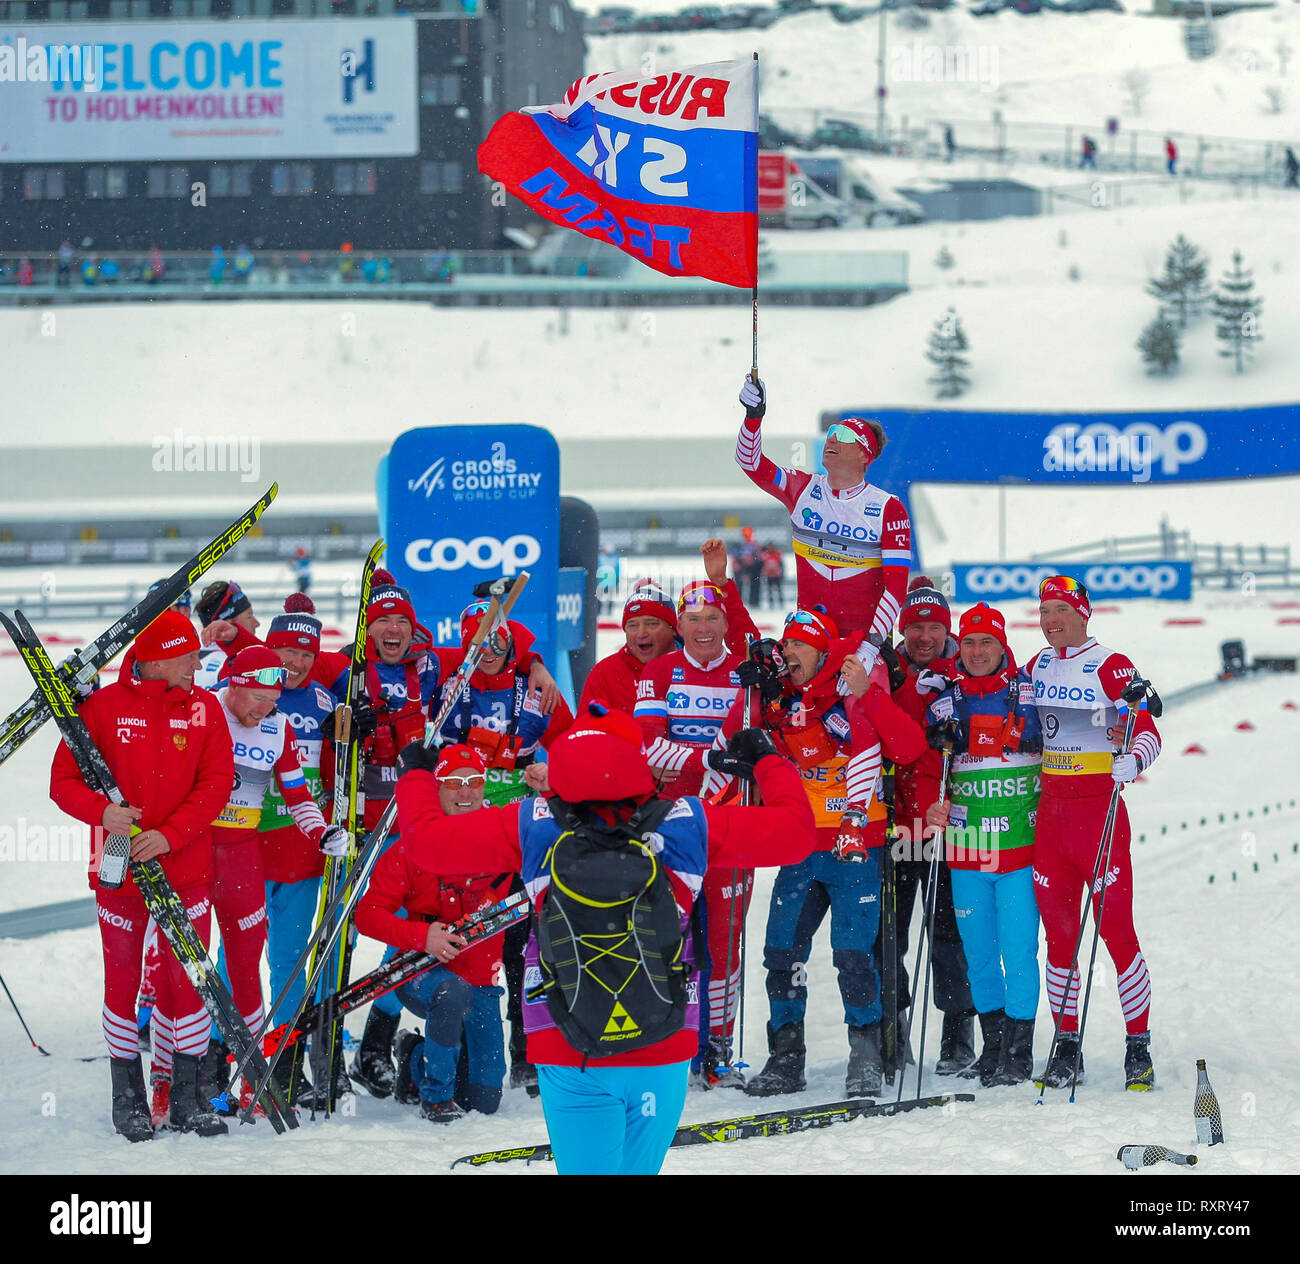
[(276, 124)]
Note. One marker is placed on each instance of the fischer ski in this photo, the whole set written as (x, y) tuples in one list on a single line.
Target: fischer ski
[(83, 666), (160, 897), (778, 1123), (347, 764), (405, 966), (330, 925)]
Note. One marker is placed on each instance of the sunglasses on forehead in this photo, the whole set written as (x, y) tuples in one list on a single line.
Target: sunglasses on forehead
[(1064, 583), (269, 676), (703, 595)]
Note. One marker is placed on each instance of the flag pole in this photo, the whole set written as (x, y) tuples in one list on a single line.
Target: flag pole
[(753, 373)]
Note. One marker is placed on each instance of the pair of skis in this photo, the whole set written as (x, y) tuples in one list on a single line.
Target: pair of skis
[(83, 666), (327, 1046), (777, 1123), (405, 966), (164, 904), (338, 909)]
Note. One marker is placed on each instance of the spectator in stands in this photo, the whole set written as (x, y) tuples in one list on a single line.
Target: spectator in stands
[(89, 269), (25, 274), (1089, 158), (1292, 169), (217, 266), (243, 263), (109, 271), (774, 574), (1171, 155), (66, 256), (154, 269), (949, 141), (747, 567)]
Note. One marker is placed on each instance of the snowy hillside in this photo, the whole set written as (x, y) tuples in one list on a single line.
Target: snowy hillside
[(1067, 68)]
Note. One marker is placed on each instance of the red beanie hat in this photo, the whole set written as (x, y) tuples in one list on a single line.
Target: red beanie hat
[(298, 628), (459, 758), (648, 599), (924, 604), (239, 671), (984, 619), (1064, 588), (387, 598), (812, 627), (600, 759), (170, 635)]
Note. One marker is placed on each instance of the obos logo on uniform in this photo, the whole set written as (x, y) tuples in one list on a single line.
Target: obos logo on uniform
[(1104, 580), (468, 503)]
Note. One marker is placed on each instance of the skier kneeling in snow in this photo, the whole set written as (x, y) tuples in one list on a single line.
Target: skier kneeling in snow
[(602, 851), (989, 718), (458, 997)]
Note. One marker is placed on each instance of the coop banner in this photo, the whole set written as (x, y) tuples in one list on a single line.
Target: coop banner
[(1112, 581), (664, 166), (145, 91)]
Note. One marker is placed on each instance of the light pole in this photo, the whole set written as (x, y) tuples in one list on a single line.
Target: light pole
[(880, 81)]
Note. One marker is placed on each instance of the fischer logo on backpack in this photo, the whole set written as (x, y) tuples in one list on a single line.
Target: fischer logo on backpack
[(609, 934)]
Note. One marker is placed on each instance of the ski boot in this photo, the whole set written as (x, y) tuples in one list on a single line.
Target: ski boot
[(214, 1078), (405, 1088), (130, 1101), (335, 1074), (783, 1072), (1016, 1064), (1139, 1074), (866, 1065), (440, 1112), (373, 1068), (1060, 1070), (993, 1030), (189, 1113), (160, 1099), (716, 1067), (956, 1044), (290, 1075), (522, 1072)]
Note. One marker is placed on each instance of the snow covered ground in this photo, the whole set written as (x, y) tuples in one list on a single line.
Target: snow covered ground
[(1222, 955)]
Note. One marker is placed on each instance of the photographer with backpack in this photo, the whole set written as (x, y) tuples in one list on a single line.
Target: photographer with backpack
[(612, 1009)]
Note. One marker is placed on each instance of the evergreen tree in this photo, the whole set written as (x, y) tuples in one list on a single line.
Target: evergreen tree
[(947, 342), (1182, 288), (1236, 314), (1159, 345)]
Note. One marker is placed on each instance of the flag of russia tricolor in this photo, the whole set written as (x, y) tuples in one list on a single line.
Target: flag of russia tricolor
[(663, 166)]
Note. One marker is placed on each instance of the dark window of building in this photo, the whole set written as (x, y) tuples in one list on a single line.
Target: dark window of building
[(219, 180), (557, 18), (54, 182), (530, 13), (343, 6), (281, 180), (178, 182), (449, 89), (156, 182), (429, 89), (115, 183), (452, 179), (304, 179), (94, 182), (367, 177), (241, 179), (99, 8), (282, 6), (222, 8), (160, 8), (33, 184), (345, 177), (38, 10), (431, 177)]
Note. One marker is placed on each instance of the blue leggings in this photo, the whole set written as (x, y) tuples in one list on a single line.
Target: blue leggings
[(612, 1121), (451, 1008), (800, 899), (997, 918), (290, 914)]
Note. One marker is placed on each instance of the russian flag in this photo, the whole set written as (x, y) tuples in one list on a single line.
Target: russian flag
[(663, 166)]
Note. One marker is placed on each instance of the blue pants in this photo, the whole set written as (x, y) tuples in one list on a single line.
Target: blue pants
[(290, 914), (800, 899), (451, 1008), (612, 1121), (388, 1003), (997, 917)]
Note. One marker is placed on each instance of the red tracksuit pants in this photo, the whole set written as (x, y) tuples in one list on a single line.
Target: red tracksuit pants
[(1066, 840)]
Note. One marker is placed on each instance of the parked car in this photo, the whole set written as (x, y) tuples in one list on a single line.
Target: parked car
[(848, 12), (840, 134), (700, 17), (771, 135)]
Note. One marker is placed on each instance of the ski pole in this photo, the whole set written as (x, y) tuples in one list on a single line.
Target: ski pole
[(746, 798), (21, 1019), (931, 903), (1138, 692)]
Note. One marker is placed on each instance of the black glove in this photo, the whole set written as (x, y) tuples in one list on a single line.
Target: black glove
[(364, 720), (897, 672), (947, 734), (764, 670), (744, 750), (416, 755), (484, 590), (754, 396)]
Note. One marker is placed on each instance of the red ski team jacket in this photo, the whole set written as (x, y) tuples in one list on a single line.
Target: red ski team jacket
[(169, 751)]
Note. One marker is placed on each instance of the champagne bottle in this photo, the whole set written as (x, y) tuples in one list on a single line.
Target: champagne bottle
[(1136, 1156), (1209, 1122)]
